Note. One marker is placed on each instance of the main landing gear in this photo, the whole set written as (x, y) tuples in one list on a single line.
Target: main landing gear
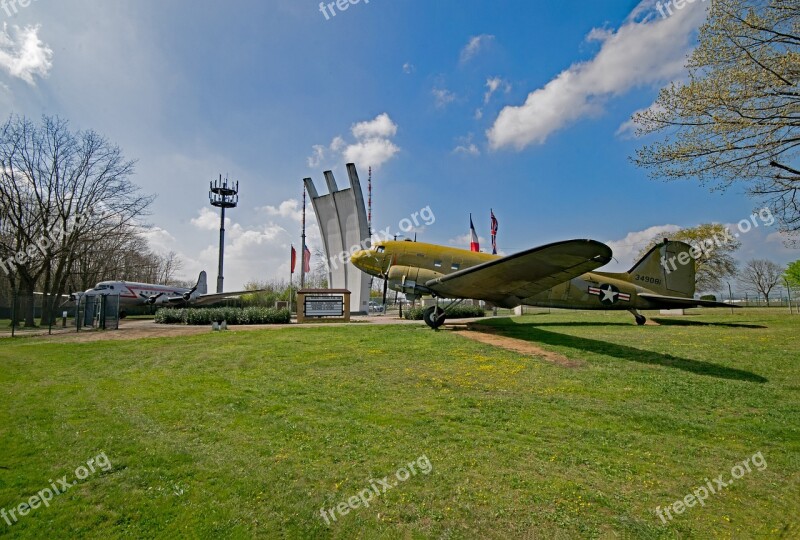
[(640, 319), (434, 316)]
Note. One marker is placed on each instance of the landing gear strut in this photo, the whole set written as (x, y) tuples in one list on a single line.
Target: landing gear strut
[(434, 316), (640, 319)]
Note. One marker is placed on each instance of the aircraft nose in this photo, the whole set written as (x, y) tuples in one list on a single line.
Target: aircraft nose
[(359, 259)]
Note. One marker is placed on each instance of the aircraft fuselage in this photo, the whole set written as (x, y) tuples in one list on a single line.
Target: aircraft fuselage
[(409, 265)]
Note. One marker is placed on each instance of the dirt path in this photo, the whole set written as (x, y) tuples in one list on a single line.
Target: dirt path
[(147, 329), (490, 336)]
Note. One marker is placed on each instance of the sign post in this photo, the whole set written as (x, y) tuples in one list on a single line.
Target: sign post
[(331, 305)]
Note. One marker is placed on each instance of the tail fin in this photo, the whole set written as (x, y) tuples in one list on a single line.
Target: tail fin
[(666, 270), (202, 285)]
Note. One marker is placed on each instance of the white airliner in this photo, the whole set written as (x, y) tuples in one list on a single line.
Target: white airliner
[(147, 294)]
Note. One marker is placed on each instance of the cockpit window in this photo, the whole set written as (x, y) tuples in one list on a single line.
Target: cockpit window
[(380, 249)]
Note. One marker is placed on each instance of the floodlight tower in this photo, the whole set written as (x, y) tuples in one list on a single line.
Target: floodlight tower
[(223, 196)]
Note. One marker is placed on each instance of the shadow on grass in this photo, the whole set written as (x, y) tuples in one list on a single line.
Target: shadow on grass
[(679, 322), (532, 332), (570, 323)]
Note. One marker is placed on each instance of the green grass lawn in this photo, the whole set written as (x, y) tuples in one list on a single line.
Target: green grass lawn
[(243, 434)]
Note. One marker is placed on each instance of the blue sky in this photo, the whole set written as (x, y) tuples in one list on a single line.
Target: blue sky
[(520, 106)]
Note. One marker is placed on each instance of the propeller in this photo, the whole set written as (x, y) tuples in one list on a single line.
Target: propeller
[(188, 295), (385, 276), (151, 299)]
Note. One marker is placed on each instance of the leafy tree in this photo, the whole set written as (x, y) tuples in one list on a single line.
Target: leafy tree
[(715, 246), (792, 274), (737, 118), (762, 276)]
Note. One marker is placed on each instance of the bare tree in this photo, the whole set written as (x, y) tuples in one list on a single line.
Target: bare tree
[(169, 265), (737, 119), (61, 194), (762, 276)]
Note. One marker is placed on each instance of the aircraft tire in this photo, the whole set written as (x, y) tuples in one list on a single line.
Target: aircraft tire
[(434, 316), (640, 320)]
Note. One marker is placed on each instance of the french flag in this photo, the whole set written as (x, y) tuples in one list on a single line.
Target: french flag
[(473, 243)]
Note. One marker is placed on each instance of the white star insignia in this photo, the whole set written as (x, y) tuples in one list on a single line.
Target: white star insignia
[(609, 294)]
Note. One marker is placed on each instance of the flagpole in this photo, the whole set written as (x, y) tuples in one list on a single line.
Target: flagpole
[(291, 277), (303, 247)]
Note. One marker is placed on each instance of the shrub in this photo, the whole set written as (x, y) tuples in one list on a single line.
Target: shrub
[(455, 312), (170, 316), (233, 316), (709, 297)]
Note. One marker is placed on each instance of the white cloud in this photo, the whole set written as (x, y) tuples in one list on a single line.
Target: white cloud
[(208, 220), (627, 130), (373, 144), (466, 146), (252, 252), (371, 153), (159, 240), (478, 114), (381, 127), (443, 97), (493, 85), (470, 149), (409, 68), (337, 144), (315, 159), (474, 46), (24, 55), (466, 239), (288, 209), (627, 249), (641, 52)]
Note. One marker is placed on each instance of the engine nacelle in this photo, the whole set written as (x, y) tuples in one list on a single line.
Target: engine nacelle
[(410, 280)]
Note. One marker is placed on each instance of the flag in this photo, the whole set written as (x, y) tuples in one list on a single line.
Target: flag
[(306, 260), (294, 259), (494, 232), (473, 242)]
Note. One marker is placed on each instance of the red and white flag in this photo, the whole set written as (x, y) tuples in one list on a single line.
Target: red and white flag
[(294, 259), (306, 260), (473, 242), (494, 226)]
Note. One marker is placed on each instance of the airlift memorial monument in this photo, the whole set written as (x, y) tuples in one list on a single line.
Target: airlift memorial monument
[(342, 219)]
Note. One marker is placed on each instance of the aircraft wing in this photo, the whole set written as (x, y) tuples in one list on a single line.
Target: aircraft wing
[(677, 302), (507, 282), (205, 299)]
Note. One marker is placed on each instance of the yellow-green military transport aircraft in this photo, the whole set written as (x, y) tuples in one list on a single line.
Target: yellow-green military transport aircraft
[(559, 275)]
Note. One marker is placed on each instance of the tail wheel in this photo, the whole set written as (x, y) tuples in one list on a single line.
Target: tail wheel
[(434, 316)]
